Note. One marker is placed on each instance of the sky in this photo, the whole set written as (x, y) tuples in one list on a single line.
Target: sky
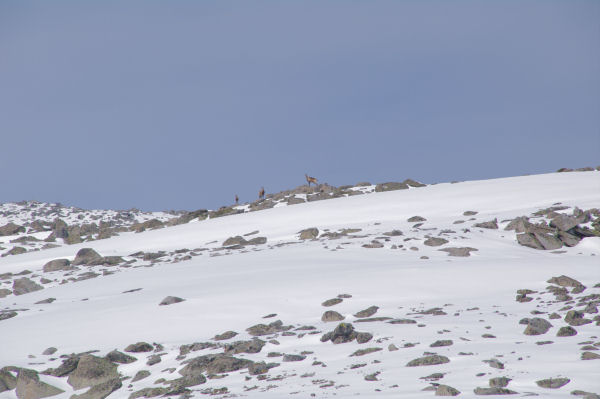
[(182, 104)]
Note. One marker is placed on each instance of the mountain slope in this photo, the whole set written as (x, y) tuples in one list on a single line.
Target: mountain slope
[(383, 261)]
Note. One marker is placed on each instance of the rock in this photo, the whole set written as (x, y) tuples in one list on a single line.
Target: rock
[(492, 224), (575, 318), (344, 332), (565, 281), (529, 240), (568, 239), (112, 260), (170, 300), (368, 312), (68, 366), (564, 222), (391, 186), (10, 229), (87, 257), (100, 391), (271, 328), (499, 382), (309, 234), (29, 386), (139, 347), (149, 393), (293, 358), (442, 342), (254, 345), (153, 359), (589, 356), (260, 368), (92, 370), (213, 364), (4, 292), (332, 302), (363, 337), (119, 357), (15, 251), (458, 251), (493, 391), (258, 241), (548, 241), (8, 382), (435, 241), (495, 363), (392, 348), (553, 383), (140, 375), (415, 219), (537, 326), (5, 315), (331, 315), (24, 285), (446, 390), (428, 360), (225, 336), (366, 351), (57, 264), (372, 377), (237, 240), (49, 351)]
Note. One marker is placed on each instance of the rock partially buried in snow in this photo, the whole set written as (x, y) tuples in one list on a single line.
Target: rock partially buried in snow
[(493, 391), (331, 315), (119, 357), (24, 285), (492, 224), (139, 347), (428, 360), (415, 219), (368, 312), (446, 390), (100, 391), (553, 383), (170, 300), (458, 251), (87, 257), (566, 331), (309, 234), (92, 370), (57, 264), (537, 326), (435, 241), (332, 302), (29, 386)]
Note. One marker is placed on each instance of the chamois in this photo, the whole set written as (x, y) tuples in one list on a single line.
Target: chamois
[(236, 199), (261, 193), (310, 179)]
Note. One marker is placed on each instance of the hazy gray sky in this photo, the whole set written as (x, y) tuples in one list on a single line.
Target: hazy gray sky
[(182, 104)]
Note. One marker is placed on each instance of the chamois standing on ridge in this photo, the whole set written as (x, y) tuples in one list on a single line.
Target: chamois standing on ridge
[(261, 193), (237, 199), (310, 179)]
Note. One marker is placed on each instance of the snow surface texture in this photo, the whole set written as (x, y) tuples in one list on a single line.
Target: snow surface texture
[(422, 295)]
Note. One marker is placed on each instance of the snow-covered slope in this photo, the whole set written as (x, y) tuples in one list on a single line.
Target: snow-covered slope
[(368, 253)]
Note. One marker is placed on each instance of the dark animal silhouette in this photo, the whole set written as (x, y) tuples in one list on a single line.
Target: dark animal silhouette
[(310, 179), (261, 193), (236, 199)]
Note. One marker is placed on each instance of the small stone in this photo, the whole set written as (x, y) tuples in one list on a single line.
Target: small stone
[(332, 302), (553, 383), (170, 300)]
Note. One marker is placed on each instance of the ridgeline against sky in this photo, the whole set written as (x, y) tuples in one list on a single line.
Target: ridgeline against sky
[(182, 105)]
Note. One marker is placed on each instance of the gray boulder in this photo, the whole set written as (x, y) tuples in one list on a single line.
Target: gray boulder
[(264, 329), (459, 251), (88, 257), (24, 285), (92, 370), (8, 382), (565, 281), (499, 382), (309, 234), (10, 229), (213, 364), (170, 300), (57, 264), (4, 292), (332, 315), (553, 383), (529, 240), (435, 241), (493, 391), (391, 186), (576, 318), (415, 219), (566, 331), (492, 224), (537, 326), (446, 390), (237, 240), (100, 391), (548, 241), (564, 222), (119, 357), (254, 345), (368, 312), (428, 360), (225, 336), (139, 347), (29, 386), (5, 315), (140, 375)]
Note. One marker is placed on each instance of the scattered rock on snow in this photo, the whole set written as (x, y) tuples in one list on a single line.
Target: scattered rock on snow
[(309, 234), (87, 257), (553, 383), (57, 264), (428, 360), (537, 326), (24, 285), (170, 300), (332, 315), (368, 312), (92, 370), (139, 347), (446, 390), (435, 241), (459, 251), (29, 386)]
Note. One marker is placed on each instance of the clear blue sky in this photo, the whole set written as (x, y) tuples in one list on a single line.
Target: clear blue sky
[(182, 104)]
